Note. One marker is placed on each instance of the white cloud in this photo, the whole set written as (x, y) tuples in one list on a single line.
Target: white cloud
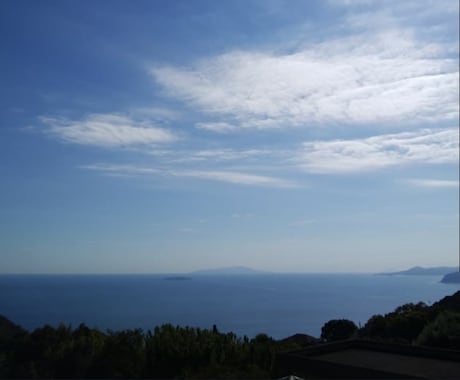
[(186, 229), (122, 169), (220, 155), (345, 156), (387, 78), (237, 178), (433, 183), (220, 176), (436, 21), (407, 10), (107, 130), (219, 127)]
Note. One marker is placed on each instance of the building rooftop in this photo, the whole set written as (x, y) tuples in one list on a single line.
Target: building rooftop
[(359, 359)]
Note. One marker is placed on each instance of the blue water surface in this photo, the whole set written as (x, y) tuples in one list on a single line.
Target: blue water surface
[(277, 304)]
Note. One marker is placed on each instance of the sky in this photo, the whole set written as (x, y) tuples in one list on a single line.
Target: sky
[(169, 136)]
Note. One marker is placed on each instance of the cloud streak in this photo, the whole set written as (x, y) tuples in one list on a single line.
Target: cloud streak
[(386, 78), (122, 169), (219, 155), (219, 127), (378, 152), (237, 178), (107, 130), (433, 183), (233, 177), (422, 147)]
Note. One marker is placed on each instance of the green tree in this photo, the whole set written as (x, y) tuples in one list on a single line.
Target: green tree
[(12, 338), (444, 331), (375, 327), (122, 356), (338, 329), (402, 325)]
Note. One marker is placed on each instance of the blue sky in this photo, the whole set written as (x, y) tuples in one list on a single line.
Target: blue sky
[(169, 136)]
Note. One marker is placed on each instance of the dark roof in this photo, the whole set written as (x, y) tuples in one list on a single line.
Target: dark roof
[(359, 359)]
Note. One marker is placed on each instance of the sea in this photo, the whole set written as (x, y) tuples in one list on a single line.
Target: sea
[(279, 305)]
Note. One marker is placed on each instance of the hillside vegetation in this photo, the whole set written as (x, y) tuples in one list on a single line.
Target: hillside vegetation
[(171, 351)]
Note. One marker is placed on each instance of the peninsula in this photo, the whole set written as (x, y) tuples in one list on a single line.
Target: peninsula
[(421, 271), (451, 278)]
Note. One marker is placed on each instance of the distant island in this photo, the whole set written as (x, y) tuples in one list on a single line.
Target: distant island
[(451, 278), (421, 271), (235, 270)]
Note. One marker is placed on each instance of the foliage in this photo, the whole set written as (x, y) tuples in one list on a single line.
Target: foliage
[(170, 351), (451, 303), (338, 329), (444, 331), (166, 352), (12, 337), (402, 325), (437, 325)]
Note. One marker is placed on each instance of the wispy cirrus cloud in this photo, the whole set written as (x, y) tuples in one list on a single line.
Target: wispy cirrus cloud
[(237, 178), (233, 177), (394, 12), (219, 127), (427, 146), (122, 169), (219, 155), (377, 152), (107, 130), (383, 78), (301, 222), (433, 183)]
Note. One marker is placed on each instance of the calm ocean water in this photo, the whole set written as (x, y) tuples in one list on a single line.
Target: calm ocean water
[(279, 304)]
